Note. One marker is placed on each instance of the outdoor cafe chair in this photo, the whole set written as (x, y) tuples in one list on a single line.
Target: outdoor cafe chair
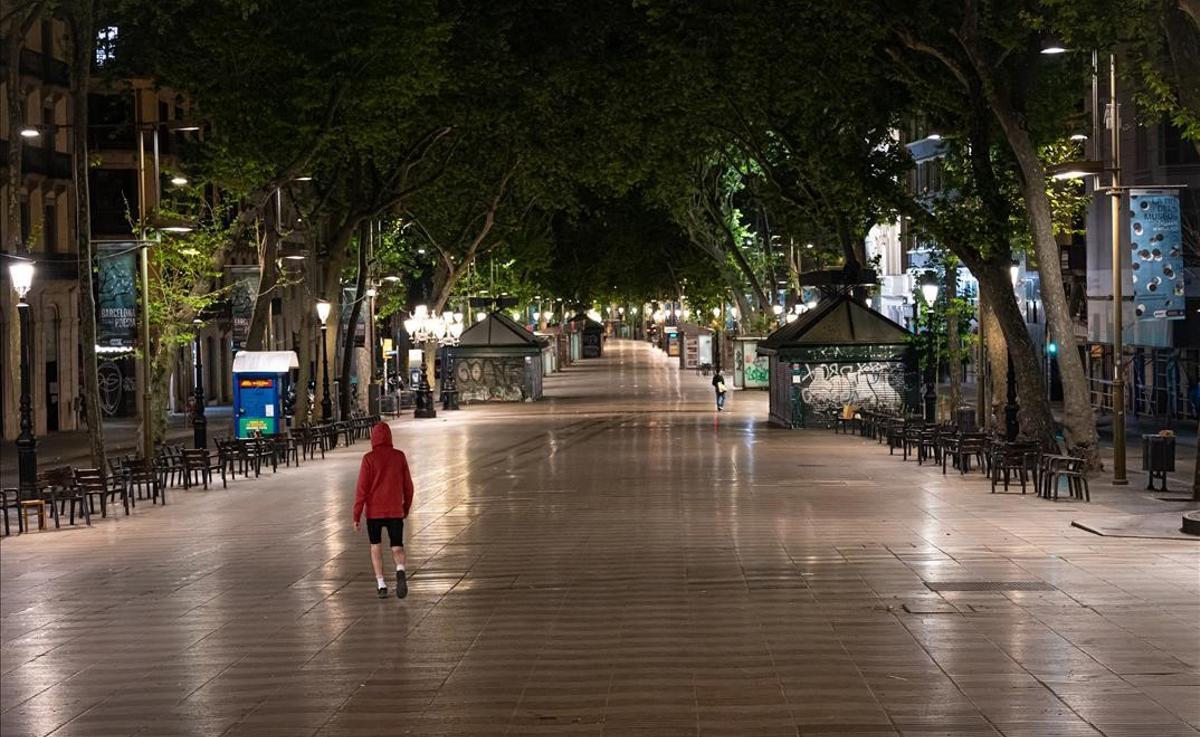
[(1009, 459), (94, 484), (198, 466), (1074, 470), (11, 499), (928, 444), (58, 488), (145, 479)]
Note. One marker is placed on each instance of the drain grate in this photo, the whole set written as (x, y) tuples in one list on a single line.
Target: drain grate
[(989, 586)]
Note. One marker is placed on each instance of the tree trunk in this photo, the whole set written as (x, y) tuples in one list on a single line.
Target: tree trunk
[(360, 290), (81, 18), (268, 277), (953, 344), (1037, 422), (15, 31), (996, 356), (303, 409), (1079, 421)]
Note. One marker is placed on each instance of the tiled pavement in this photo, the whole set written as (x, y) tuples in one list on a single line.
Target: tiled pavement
[(619, 561)]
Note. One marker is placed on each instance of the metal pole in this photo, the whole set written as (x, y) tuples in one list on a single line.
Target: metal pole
[(147, 397), (1118, 387), (199, 421), (26, 442), (326, 403)]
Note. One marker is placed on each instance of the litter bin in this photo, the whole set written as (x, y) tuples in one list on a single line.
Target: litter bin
[(1158, 457)]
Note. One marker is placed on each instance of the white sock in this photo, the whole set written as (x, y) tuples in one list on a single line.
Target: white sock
[(379, 580), (399, 566)]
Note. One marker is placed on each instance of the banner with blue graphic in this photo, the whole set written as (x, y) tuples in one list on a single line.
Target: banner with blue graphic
[(1156, 252)]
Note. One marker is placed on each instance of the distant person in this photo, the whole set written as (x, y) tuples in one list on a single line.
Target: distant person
[(718, 383), (384, 493)]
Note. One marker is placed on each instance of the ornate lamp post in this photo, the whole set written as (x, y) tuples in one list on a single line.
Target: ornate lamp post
[(929, 292), (444, 330), (21, 272), (323, 308), (419, 328), (199, 421), (453, 329)]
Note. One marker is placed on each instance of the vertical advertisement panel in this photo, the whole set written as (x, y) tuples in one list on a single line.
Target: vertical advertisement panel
[(242, 295), (116, 298), (1156, 254)]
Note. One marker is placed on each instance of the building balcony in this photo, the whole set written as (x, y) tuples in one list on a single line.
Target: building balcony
[(39, 160), (46, 69)]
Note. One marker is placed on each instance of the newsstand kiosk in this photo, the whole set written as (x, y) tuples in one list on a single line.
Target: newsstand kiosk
[(260, 383)]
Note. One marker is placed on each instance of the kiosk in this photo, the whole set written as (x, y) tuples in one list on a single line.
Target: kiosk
[(260, 383)]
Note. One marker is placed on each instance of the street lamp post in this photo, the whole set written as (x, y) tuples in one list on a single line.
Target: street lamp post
[(21, 272), (1118, 424), (929, 291), (323, 308), (199, 421), (1096, 167)]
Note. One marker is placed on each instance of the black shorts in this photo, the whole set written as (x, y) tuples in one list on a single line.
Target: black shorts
[(395, 528)]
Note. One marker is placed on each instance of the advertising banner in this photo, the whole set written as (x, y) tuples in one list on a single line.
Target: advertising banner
[(1156, 253), (116, 303), (242, 295)]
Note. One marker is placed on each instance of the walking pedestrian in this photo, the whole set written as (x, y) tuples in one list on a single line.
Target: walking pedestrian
[(718, 383), (384, 494)]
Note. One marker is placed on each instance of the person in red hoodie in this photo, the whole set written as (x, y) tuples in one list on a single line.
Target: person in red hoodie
[(384, 493)]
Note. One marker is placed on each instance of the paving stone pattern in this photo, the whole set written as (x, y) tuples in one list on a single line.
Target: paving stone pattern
[(616, 560)]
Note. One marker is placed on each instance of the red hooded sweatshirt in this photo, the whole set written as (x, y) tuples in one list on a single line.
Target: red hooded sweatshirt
[(385, 488)]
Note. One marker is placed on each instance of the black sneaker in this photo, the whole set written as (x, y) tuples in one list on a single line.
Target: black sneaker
[(383, 592), (401, 585)]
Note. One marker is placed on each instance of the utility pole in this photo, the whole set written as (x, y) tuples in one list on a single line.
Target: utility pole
[(1118, 386)]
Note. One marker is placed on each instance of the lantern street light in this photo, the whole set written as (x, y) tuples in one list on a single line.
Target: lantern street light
[(21, 273), (199, 421), (929, 292), (442, 330), (323, 308)]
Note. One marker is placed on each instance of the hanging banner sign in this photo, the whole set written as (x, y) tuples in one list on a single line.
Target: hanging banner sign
[(116, 299), (1156, 253), (242, 295)]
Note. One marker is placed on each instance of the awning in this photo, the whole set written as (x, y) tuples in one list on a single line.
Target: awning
[(264, 362)]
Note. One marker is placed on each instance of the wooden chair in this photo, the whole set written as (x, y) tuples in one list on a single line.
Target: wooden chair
[(11, 499), (228, 458), (1008, 459), (168, 464), (57, 486), (198, 466), (928, 444), (144, 478), (286, 447), (970, 445), (94, 484)]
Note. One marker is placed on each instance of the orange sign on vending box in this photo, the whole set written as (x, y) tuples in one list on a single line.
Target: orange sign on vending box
[(256, 383)]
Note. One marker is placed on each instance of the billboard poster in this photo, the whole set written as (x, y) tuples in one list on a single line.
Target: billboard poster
[(242, 295), (116, 298), (1156, 253)]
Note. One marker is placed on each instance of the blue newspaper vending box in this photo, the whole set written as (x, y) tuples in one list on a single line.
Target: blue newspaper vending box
[(260, 383)]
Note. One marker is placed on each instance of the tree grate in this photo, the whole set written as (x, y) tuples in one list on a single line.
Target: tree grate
[(989, 586)]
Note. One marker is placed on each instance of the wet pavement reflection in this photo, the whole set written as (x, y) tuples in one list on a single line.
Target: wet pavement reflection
[(618, 559)]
